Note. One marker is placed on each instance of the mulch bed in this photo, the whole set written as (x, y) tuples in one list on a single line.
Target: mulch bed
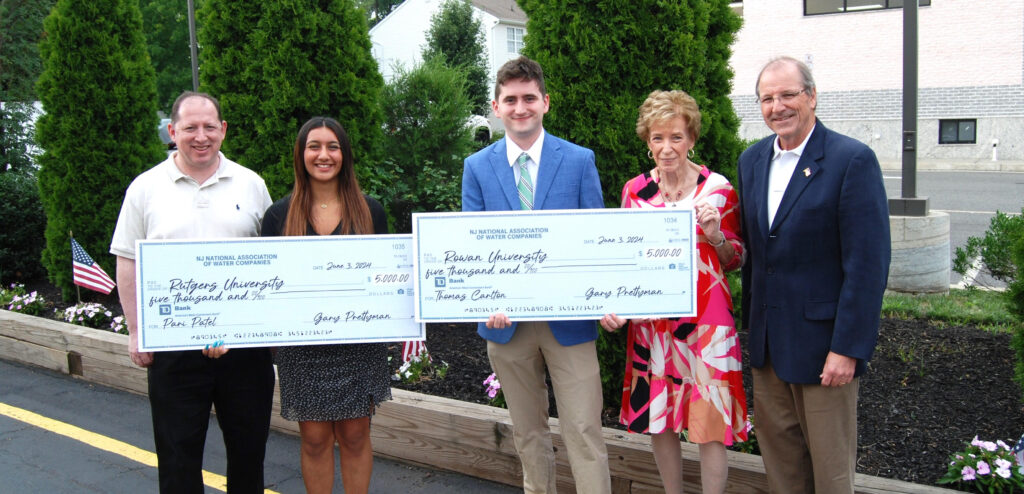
[(930, 389)]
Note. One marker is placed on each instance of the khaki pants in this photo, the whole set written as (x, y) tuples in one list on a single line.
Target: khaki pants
[(807, 434), (575, 377)]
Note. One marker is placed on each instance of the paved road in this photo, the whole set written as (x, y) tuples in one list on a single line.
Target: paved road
[(36, 459), (970, 198)]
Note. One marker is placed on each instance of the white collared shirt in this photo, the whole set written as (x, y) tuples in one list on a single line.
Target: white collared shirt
[(513, 150), (781, 170)]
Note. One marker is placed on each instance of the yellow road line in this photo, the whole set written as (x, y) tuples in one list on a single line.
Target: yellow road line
[(105, 443)]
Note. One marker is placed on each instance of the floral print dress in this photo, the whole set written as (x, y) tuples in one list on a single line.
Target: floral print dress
[(684, 373)]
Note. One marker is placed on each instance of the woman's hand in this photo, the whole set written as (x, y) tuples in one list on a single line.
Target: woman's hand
[(611, 322), (710, 221), (216, 350)]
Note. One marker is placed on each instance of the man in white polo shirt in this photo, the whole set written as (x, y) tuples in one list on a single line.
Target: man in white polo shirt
[(198, 193)]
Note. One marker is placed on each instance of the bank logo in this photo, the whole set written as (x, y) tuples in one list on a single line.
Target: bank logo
[(439, 282), (165, 309)]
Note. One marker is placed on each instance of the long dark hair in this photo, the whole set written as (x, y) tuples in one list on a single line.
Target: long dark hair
[(355, 214)]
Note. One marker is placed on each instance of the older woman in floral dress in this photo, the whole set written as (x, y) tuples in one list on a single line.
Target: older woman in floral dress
[(684, 373)]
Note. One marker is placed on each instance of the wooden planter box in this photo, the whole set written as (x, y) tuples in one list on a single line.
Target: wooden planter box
[(415, 428)]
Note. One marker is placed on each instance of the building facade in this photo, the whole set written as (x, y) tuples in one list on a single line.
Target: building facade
[(970, 71), (400, 37)]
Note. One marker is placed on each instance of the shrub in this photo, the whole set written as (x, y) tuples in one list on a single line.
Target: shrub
[(32, 304), (994, 249), (420, 368), (273, 65), (601, 60), (22, 224), (90, 315), (985, 466), (426, 137), (459, 37), (99, 93), (1016, 295), (611, 356)]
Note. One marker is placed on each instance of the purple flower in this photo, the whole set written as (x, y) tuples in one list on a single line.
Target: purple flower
[(988, 446), (1003, 472), (968, 473), (1003, 445), (983, 468), (1002, 463)]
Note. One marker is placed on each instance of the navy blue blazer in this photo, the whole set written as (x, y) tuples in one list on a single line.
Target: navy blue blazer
[(813, 282), (566, 179)]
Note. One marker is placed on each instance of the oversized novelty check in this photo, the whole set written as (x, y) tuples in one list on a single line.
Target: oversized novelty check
[(554, 264), (274, 291)]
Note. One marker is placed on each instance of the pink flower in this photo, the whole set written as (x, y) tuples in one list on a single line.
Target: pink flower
[(968, 473), (983, 468)]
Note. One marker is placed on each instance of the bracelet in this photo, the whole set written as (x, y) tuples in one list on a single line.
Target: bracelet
[(718, 244)]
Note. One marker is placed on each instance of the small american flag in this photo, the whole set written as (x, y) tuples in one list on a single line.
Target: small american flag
[(412, 349), (86, 272)]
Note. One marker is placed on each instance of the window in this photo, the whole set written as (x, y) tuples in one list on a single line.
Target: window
[(958, 131), (515, 39), (815, 7)]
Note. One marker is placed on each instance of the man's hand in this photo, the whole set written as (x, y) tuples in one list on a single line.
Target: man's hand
[(498, 320), (838, 370), (141, 359)]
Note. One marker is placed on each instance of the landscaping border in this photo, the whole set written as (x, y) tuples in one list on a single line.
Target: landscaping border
[(415, 428)]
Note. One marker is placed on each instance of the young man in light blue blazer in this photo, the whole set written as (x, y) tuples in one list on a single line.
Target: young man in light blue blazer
[(531, 169)]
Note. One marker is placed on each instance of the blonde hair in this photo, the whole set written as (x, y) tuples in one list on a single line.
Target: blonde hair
[(662, 106)]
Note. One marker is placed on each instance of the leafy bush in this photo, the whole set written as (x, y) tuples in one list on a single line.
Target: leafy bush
[(426, 139), (273, 65), (993, 249), (420, 368), (601, 60), (611, 356), (1001, 253), (22, 224), (94, 315), (1016, 296), (16, 300), (985, 466), (97, 80)]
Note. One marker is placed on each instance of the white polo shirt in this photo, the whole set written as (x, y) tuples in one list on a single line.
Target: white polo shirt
[(164, 203)]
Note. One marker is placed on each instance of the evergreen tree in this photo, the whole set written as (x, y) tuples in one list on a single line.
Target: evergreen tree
[(165, 24), (299, 61), (601, 59), (377, 10), (427, 138), (459, 37), (21, 28), (99, 128)]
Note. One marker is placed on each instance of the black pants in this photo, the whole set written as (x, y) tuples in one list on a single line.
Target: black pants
[(182, 387)]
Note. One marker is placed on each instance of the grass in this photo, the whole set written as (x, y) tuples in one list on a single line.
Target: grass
[(986, 309)]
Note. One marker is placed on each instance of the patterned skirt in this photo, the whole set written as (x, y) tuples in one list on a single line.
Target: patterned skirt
[(683, 375)]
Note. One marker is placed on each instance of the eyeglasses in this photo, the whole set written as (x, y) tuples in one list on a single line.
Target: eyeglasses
[(784, 98)]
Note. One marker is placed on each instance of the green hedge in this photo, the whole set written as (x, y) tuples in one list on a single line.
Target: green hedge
[(22, 224)]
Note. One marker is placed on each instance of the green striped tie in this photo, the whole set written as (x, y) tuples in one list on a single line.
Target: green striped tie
[(525, 184)]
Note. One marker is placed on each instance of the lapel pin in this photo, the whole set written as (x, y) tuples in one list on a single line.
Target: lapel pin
[(807, 172)]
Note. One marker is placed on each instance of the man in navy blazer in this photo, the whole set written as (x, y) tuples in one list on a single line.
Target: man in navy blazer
[(531, 169), (816, 223)]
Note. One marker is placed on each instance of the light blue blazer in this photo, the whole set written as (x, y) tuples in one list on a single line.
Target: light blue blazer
[(566, 179)]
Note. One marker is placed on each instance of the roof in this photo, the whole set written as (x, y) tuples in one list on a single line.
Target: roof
[(506, 10)]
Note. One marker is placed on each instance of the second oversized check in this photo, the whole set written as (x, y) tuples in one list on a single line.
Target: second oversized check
[(554, 264)]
